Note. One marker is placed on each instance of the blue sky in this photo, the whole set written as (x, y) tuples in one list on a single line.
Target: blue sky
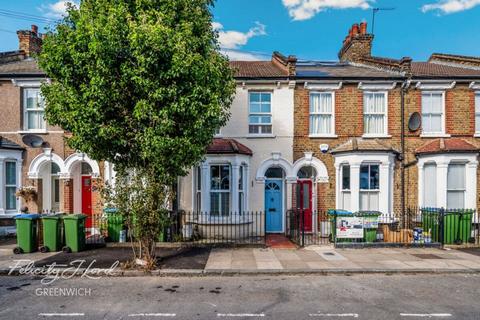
[(312, 29)]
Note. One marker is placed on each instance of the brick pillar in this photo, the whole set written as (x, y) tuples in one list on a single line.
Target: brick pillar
[(68, 195), (36, 205)]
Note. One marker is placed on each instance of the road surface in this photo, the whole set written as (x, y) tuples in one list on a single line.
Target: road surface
[(244, 297)]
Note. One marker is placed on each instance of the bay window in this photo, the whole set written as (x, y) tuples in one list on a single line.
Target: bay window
[(260, 113), (456, 186), (375, 113), (34, 110), (369, 186), (220, 190), (322, 113), (433, 114)]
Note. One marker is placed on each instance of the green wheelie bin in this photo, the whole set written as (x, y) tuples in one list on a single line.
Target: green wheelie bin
[(52, 233), (26, 233), (114, 224), (74, 225), (457, 226), (370, 224)]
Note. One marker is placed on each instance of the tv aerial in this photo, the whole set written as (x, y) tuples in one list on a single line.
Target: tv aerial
[(374, 13)]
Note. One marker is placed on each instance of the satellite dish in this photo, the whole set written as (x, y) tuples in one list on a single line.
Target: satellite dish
[(33, 141), (415, 121)]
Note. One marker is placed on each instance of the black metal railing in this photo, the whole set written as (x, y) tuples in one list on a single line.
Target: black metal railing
[(416, 226), (189, 227)]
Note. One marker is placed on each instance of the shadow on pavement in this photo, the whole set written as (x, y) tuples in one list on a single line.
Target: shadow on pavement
[(168, 258)]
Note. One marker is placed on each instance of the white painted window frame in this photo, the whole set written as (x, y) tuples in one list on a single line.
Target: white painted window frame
[(26, 111), (386, 160), (235, 162), (331, 134), (477, 112), (13, 156), (385, 133), (443, 121), (442, 161), (261, 114)]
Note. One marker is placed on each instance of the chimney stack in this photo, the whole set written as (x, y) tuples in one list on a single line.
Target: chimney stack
[(30, 41), (357, 44)]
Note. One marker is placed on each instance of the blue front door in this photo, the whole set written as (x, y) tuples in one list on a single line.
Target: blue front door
[(273, 205)]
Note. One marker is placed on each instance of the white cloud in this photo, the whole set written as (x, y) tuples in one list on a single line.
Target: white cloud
[(235, 39), (56, 10), (451, 6), (306, 9), (244, 55)]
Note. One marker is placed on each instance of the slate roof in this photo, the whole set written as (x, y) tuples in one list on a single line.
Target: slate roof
[(446, 146), (8, 144), (257, 69), (23, 67), (228, 146), (359, 145)]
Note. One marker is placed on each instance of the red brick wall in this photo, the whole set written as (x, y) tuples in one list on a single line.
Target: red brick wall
[(460, 122)]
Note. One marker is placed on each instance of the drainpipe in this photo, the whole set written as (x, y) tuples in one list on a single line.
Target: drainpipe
[(403, 90), (402, 139)]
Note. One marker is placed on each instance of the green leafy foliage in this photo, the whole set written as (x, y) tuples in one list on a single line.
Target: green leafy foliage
[(141, 84)]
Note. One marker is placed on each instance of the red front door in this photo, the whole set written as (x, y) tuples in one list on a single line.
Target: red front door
[(304, 202), (87, 199)]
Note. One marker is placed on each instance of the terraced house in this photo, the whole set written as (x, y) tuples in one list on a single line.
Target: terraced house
[(384, 134), (360, 133), (33, 152)]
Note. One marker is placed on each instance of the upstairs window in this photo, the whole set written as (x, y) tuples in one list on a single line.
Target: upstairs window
[(34, 110), (260, 113), (433, 113), (477, 112), (321, 113), (375, 113)]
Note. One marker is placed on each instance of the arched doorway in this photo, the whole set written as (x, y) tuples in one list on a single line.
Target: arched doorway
[(82, 181), (274, 199), (306, 178), (51, 193)]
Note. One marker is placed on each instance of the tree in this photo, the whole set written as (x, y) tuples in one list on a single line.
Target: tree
[(139, 83)]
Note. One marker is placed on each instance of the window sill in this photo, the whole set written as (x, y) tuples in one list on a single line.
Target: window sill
[(373, 136), (33, 132), (434, 135), (260, 136), (328, 136), (476, 135)]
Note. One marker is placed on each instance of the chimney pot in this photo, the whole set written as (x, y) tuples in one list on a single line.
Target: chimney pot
[(34, 29), (363, 28), (355, 29)]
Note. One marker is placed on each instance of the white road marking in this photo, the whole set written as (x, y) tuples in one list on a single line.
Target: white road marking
[(340, 315), (426, 315), (152, 315), (240, 315), (61, 314)]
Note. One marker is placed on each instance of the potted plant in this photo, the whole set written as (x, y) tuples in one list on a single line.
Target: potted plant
[(27, 193)]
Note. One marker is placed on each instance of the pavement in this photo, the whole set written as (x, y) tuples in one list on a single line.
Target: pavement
[(250, 260), (358, 296)]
